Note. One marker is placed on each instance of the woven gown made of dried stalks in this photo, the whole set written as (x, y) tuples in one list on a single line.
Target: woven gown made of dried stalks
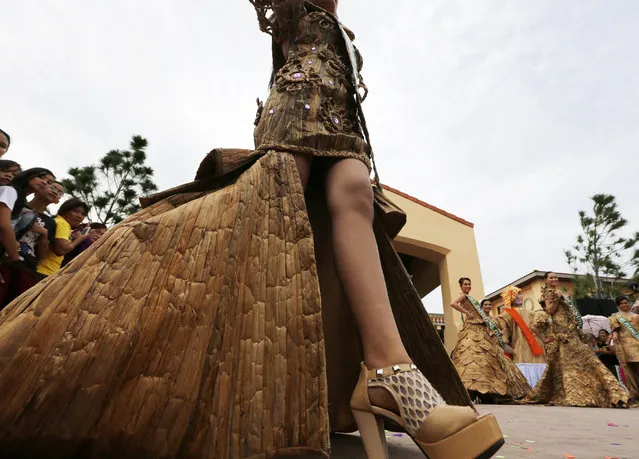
[(574, 376), (627, 349), (211, 324), (481, 363)]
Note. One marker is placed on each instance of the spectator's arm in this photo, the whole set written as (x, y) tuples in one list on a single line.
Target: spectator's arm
[(613, 338), (43, 241), (62, 246), (43, 245), (7, 236)]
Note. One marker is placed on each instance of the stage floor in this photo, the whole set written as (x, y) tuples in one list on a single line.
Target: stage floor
[(535, 432)]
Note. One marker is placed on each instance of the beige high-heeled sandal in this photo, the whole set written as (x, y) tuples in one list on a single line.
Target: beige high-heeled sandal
[(441, 431)]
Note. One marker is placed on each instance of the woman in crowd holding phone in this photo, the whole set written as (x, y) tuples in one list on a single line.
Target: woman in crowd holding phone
[(70, 215)]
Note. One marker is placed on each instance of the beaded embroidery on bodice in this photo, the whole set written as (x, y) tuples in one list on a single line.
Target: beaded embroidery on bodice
[(312, 103), (414, 395)]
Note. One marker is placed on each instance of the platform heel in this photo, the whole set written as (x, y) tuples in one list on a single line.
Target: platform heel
[(441, 431)]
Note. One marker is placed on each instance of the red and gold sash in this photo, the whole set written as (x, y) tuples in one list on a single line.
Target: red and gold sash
[(528, 334)]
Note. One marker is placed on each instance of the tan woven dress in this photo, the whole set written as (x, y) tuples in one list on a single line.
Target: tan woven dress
[(212, 324), (481, 363), (311, 109), (627, 349), (574, 375)]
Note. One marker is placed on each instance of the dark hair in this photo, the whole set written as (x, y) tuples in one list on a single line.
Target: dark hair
[(7, 136), (21, 181), (483, 301), (98, 225), (462, 279), (6, 164), (548, 273), (73, 203), (620, 298), (603, 330)]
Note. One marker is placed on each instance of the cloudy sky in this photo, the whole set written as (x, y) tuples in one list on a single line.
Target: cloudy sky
[(508, 113)]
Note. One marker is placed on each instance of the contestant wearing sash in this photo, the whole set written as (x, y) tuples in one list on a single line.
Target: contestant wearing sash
[(625, 333), (574, 375), (479, 355), (514, 323)]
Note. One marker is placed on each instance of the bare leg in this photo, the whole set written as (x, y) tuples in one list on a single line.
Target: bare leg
[(350, 203), (304, 163)]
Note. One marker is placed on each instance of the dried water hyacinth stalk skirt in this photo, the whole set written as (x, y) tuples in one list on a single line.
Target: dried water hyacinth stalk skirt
[(482, 365), (197, 328), (574, 376), (627, 350)]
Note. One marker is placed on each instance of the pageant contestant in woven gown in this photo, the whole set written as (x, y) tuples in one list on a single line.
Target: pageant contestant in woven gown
[(226, 318), (625, 333), (479, 355), (574, 376)]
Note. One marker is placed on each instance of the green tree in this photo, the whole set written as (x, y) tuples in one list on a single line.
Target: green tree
[(583, 285), (600, 251), (112, 187)]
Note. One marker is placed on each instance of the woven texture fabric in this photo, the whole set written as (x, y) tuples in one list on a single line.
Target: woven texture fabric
[(627, 349), (311, 108), (481, 363), (626, 339), (574, 375), (177, 334), (197, 327)]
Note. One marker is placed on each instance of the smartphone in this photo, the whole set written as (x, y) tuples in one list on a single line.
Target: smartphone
[(85, 230)]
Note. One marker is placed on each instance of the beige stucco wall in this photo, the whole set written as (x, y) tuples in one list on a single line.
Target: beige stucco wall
[(451, 244)]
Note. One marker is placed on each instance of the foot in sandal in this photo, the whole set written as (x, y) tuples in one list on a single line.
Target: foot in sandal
[(441, 431)]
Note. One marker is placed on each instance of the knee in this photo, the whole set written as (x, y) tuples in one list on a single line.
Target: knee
[(353, 195)]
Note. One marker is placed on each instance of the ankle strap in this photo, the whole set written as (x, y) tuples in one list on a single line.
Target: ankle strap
[(389, 371)]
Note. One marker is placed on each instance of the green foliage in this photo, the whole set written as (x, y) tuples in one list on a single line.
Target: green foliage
[(113, 186), (601, 252), (584, 286)]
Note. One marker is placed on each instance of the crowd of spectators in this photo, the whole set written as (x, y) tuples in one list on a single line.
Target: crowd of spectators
[(33, 243), (603, 345)]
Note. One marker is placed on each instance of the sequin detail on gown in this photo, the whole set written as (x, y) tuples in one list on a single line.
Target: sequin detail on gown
[(311, 108)]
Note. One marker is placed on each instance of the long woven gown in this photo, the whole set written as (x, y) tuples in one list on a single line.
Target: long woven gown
[(211, 324), (574, 376), (627, 349), (481, 363)]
